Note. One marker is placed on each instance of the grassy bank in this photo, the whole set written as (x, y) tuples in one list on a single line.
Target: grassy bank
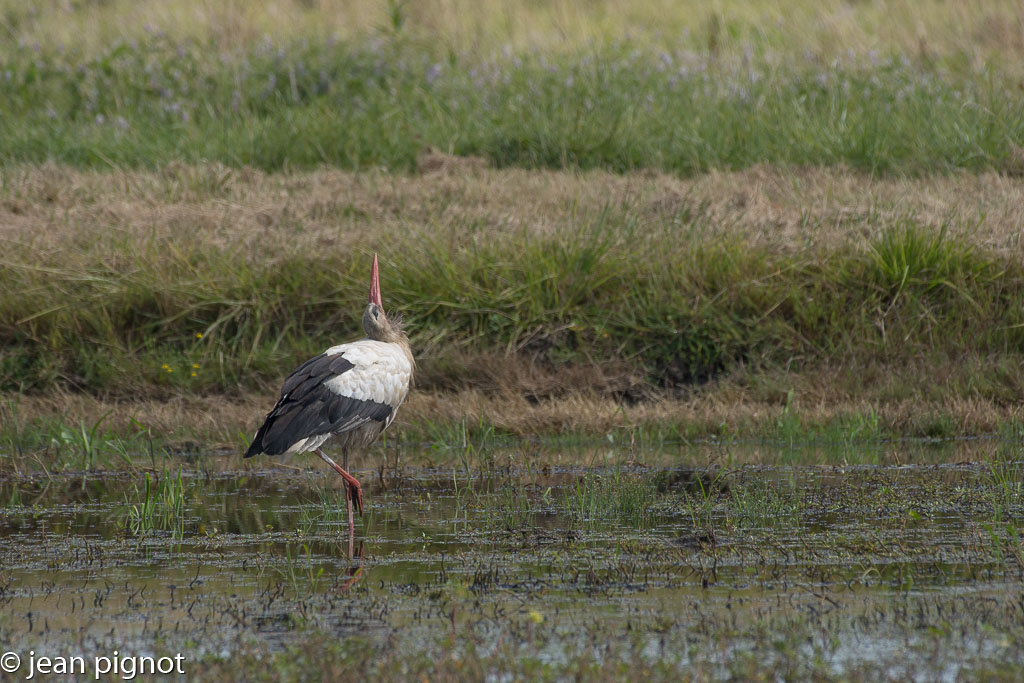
[(616, 105), (764, 303), (660, 296)]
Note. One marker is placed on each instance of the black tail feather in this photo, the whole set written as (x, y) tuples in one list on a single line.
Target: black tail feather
[(256, 447)]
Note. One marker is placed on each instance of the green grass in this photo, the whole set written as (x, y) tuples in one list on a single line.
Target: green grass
[(71, 444), (677, 310), (614, 495), (665, 297), (379, 102), (513, 510), (159, 506)]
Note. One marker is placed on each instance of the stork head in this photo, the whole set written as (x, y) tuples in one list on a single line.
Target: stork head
[(375, 322)]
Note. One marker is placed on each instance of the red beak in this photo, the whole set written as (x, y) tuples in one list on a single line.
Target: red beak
[(375, 284)]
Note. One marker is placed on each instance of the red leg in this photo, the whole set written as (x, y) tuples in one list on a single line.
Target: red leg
[(353, 489), (351, 519)]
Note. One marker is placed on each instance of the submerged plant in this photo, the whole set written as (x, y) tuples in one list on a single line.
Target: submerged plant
[(159, 507), (328, 507), (1008, 481), (514, 510), (300, 575), (765, 504), (618, 496)]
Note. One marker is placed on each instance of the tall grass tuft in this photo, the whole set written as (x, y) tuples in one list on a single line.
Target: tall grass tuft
[(159, 506), (614, 496)]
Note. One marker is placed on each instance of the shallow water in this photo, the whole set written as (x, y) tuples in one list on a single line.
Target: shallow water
[(913, 570)]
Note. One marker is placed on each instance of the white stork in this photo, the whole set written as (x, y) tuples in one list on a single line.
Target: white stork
[(350, 392)]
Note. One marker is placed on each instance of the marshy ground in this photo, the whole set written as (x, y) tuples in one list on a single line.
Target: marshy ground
[(718, 313), (530, 568)]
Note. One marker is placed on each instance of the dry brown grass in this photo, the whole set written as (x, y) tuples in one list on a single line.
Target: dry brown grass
[(55, 211), (724, 409), (524, 400)]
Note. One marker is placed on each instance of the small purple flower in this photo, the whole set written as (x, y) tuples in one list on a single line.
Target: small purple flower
[(432, 73)]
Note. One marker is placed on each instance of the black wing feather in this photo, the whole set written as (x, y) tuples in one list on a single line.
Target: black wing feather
[(308, 408)]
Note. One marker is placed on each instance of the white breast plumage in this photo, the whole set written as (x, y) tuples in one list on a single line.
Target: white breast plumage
[(381, 373)]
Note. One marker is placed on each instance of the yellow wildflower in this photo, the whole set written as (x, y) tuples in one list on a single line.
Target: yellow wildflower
[(535, 616)]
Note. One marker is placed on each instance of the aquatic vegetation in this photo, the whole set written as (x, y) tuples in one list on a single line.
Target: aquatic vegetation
[(785, 570), (625, 497), (514, 509), (326, 506), (1008, 476), (758, 504), (157, 507), (299, 570)]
